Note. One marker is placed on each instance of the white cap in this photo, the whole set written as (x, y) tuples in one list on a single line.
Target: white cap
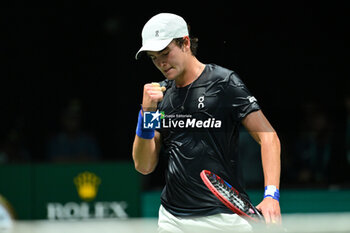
[(160, 30)]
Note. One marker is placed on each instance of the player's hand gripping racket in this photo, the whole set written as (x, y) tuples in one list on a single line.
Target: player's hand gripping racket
[(231, 197)]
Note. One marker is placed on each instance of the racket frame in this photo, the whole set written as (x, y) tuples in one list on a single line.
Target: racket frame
[(204, 176)]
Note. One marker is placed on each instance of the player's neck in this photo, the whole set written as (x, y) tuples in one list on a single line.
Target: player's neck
[(191, 72)]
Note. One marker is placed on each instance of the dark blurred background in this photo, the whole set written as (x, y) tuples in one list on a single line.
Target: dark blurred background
[(71, 88)]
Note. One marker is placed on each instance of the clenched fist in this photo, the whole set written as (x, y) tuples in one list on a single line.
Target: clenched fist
[(152, 94)]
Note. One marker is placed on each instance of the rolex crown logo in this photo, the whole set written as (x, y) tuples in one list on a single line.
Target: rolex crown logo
[(87, 185)]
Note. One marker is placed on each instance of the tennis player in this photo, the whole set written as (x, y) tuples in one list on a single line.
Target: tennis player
[(203, 106)]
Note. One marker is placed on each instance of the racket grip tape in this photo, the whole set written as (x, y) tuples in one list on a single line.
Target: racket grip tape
[(141, 132), (272, 191)]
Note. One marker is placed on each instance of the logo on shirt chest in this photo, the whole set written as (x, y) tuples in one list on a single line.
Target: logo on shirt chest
[(201, 102)]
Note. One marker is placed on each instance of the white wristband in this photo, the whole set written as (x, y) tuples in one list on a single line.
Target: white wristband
[(272, 191)]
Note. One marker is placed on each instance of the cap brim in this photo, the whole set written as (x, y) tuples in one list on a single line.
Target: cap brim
[(155, 45)]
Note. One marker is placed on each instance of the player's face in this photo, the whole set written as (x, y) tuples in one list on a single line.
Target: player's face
[(170, 61)]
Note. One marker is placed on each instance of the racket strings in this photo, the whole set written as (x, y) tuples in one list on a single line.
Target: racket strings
[(230, 195)]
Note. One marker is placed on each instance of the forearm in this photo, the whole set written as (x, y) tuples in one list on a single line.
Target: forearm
[(261, 130), (145, 154), (271, 159), (146, 145)]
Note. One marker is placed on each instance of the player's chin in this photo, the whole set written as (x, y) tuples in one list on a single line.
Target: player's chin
[(170, 75)]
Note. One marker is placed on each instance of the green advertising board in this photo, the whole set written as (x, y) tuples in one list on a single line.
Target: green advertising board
[(72, 191)]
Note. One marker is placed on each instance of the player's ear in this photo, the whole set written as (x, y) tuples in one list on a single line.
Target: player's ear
[(187, 43)]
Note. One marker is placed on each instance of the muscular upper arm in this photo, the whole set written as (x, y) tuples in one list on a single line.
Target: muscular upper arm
[(257, 125)]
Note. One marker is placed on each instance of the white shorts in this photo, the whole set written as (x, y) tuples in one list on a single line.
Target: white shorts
[(168, 223), (5, 219)]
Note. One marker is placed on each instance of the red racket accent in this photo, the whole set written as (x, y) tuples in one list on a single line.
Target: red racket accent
[(230, 197)]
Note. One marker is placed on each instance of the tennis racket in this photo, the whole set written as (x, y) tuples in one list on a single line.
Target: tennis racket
[(231, 197)]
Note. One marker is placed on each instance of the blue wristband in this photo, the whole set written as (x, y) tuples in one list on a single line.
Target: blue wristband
[(141, 132), (272, 191)]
